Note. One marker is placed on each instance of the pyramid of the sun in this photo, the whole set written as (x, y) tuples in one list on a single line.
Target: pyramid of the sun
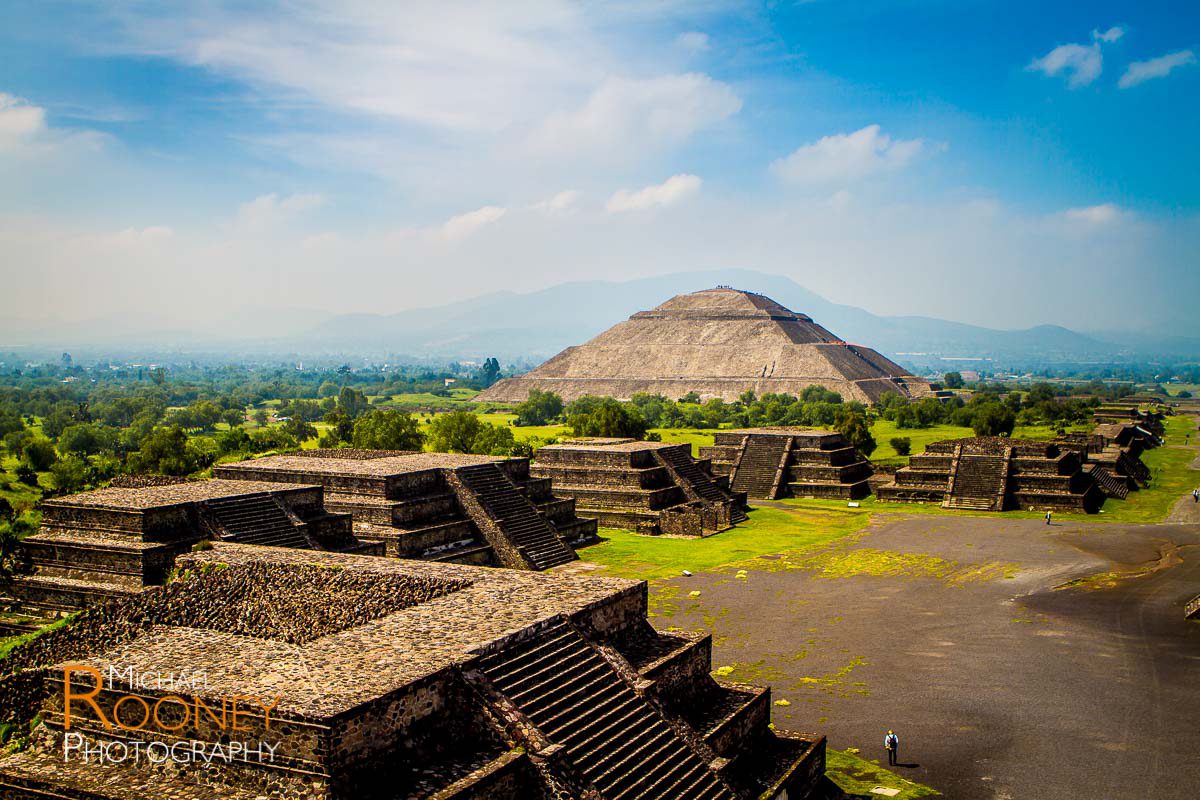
[(718, 343)]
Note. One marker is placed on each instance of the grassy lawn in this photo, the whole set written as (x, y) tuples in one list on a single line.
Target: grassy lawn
[(857, 777), (769, 531), (17, 493)]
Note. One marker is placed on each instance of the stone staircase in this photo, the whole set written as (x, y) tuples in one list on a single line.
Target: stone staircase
[(977, 483), (701, 482), (757, 471), (258, 520), (1110, 484), (515, 515), (617, 740)]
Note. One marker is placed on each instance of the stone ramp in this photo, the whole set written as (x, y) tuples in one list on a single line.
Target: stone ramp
[(757, 472), (977, 483), (258, 520), (699, 480), (515, 515), (617, 740)]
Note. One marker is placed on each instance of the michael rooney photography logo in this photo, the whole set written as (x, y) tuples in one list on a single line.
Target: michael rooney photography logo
[(180, 727)]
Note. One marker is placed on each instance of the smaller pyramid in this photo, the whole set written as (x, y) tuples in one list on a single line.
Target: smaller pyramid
[(717, 343)]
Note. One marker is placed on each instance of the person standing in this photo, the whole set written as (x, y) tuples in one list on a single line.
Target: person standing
[(1196, 495), (1048, 513), (891, 743)]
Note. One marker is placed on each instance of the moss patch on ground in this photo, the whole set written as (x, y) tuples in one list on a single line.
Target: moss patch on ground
[(857, 777)]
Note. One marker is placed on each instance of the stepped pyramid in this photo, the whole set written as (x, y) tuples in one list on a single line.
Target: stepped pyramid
[(718, 343)]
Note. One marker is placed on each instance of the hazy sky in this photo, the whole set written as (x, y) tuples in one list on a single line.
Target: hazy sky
[(1003, 163)]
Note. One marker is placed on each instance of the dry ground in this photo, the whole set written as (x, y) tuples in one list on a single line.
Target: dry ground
[(1014, 660)]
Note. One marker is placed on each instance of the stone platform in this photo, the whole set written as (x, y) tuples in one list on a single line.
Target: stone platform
[(467, 509), (117, 541), (769, 463), (997, 474), (382, 678), (649, 487)]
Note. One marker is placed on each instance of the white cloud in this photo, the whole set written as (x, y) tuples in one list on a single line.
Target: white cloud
[(693, 41), (464, 225), (1110, 35), (1081, 64), (561, 202), (319, 241), (24, 131), (270, 209), (846, 157), (138, 237), (19, 120), (649, 112), (667, 193), (1104, 214), (1142, 71)]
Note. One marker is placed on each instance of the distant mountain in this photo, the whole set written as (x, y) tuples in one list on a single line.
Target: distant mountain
[(538, 324), (532, 326)]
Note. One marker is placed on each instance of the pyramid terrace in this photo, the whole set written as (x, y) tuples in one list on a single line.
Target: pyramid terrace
[(649, 487), (393, 678), (118, 541), (769, 463), (996, 474), (466, 509)]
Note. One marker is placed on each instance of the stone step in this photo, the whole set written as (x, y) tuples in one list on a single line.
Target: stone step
[(618, 741)]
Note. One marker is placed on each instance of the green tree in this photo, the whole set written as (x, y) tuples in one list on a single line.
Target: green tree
[(340, 432), (327, 389), (853, 425), (387, 429), (70, 474), (12, 531), (490, 373), (165, 451), (352, 402), (233, 417), (993, 419), (15, 441), (27, 475), (606, 417), (234, 440), (261, 417), (901, 444), (265, 439), (39, 454), (300, 430), (952, 380), (454, 432), (87, 438), (539, 408)]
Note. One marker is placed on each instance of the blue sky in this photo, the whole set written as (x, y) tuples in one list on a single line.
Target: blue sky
[(1002, 163)]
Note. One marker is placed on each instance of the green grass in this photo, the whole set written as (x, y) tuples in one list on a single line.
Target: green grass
[(769, 531), (9, 643), (857, 777)]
